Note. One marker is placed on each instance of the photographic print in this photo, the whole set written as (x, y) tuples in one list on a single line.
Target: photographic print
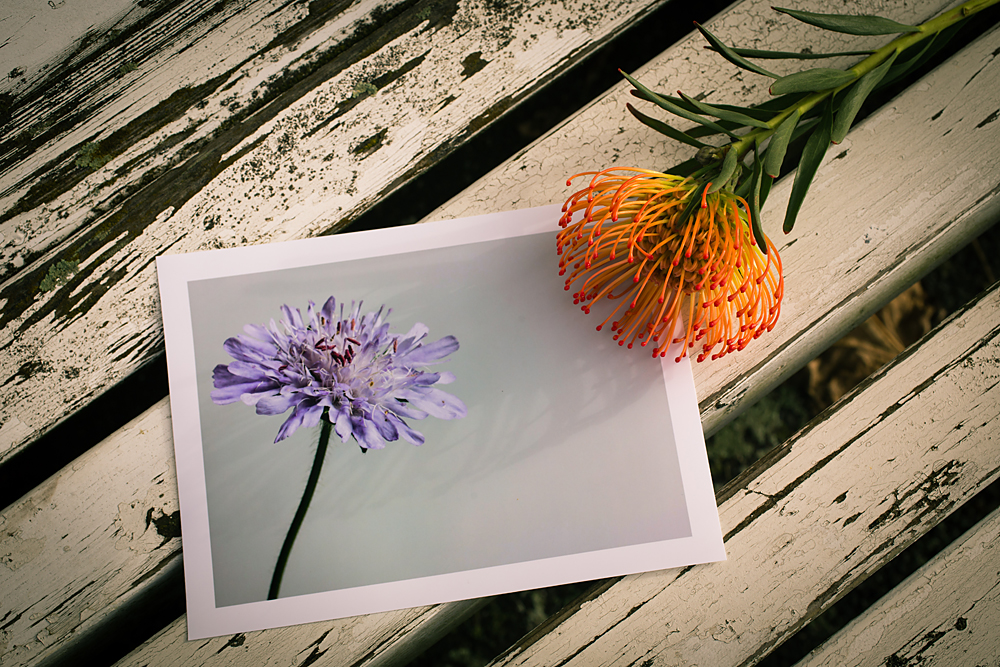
[(400, 417)]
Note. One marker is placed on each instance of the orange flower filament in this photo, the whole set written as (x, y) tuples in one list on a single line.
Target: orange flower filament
[(634, 244)]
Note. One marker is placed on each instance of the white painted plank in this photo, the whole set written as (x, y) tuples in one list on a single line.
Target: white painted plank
[(911, 159), (815, 517), (92, 534), (945, 613), (919, 234), (915, 232), (80, 549), (36, 36), (372, 641), (354, 127), (183, 45)]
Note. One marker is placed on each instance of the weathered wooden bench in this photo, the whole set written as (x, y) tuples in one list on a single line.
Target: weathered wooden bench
[(178, 126)]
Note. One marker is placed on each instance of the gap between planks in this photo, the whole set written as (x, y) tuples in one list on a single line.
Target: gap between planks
[(945, 613), (944, 236), (818, 515)]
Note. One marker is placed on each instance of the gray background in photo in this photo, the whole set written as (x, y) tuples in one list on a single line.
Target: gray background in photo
[(567, 446)]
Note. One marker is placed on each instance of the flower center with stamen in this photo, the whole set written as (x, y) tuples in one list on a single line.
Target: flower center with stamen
[(669, 261)]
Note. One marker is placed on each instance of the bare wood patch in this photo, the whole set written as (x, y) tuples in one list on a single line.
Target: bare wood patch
[(299, 125), (838, 502), (945, 613), (758, 370)]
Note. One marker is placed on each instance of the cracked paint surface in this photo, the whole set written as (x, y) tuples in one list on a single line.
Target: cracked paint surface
[(260, 146), (72, 557)]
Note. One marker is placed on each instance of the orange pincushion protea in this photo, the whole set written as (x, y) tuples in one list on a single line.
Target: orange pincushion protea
[(644, 239)]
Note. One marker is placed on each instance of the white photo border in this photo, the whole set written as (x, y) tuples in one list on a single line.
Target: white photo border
[(205, 619)]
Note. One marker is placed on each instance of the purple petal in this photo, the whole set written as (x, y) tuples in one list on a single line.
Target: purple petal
[(404, 430), (247, 370), (407, 410), (385, 427), (329, 311), (312, 414), (425, 379), (365, 433), (278, 403), (290, 425), (245, 348), (428, 354), (416, 333), (342, 424), (436, 403), (304, 416), (293, 316), (230, 388)]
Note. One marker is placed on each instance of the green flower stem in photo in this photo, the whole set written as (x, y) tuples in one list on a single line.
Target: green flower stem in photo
[(343, 370), (300, 513)]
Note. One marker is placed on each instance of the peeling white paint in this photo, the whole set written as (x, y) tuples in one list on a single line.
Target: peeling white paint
[(776, 591), (146, 458), (290, 185)]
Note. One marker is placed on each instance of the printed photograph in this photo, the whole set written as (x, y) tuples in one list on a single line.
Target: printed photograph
[(429, 422)]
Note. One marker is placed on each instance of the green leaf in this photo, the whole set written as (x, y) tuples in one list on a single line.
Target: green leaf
[(731, 55), (820, 78), (766, 110), (905, 65), (655, 95), (762, 111), (804, 127), (852, 25), (855, 97), (781, 103), (722, 127), (725, 114), (665, 129), (779, 144), (931, 49), (703, 131), (743, 190), (756, 202), (728, 169), (674, 109), (756, 112), (812, 155), (791, 55), (707, 132), (765, 188), (685, 168)]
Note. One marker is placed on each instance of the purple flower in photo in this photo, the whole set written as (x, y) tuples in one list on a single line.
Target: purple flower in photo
[(370, 380)]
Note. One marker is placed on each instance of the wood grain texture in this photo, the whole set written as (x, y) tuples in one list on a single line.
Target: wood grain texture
[(922, 229), (378, 640), (79, 549), (848, 254), (36, 37), (241, 123), (946, 613), (916, 240), (814, 517)]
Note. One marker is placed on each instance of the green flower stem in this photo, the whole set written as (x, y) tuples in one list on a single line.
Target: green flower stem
[(300, 513), (900, 44)]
